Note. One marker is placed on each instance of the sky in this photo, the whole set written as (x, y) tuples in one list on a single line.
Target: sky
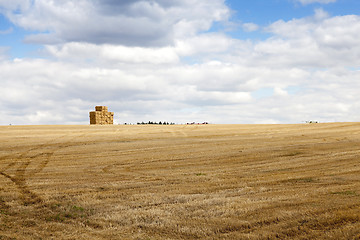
[(219, 61)]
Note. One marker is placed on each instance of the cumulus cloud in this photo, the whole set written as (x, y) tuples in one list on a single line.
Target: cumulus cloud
[(54, 89), (209, 43), (306, 70), (315, 42), (112, 54), (130, 23)]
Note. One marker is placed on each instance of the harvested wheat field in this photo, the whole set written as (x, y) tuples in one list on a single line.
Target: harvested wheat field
[(298, 181)]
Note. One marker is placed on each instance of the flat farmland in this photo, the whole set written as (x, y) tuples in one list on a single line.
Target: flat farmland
[(299, 181)]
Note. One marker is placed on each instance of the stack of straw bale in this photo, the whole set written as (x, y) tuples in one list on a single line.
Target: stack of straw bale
[(101, 116)]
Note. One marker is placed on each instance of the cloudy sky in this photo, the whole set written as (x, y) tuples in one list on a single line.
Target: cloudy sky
[(221, 61)]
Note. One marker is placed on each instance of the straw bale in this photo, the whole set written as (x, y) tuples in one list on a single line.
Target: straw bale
[(101, 108), (101, 116)]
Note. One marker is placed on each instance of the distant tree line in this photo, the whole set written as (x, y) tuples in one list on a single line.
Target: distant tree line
[(162, 123), (155, 123), (312, 122)]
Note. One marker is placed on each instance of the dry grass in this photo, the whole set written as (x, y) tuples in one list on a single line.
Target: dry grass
[(180, 182)]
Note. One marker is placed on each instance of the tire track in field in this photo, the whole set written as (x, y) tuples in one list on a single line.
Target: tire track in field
[(22, 162), (177, 132), (19, 177)]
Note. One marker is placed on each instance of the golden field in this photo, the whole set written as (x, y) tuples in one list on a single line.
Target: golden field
[(298, 181)]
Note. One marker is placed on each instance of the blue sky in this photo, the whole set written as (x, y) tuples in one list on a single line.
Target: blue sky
[(273, 61), (265, 12)]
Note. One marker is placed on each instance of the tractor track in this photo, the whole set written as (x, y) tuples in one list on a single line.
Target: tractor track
[(18, 172)]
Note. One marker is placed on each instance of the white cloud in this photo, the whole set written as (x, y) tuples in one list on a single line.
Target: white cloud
[(203, 44), (107, 53), (14, 5), (7, 31), (250, 27), (131, 23), (314, 42), (308, 68), (305, 2), (3, 51), (280, 92)]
